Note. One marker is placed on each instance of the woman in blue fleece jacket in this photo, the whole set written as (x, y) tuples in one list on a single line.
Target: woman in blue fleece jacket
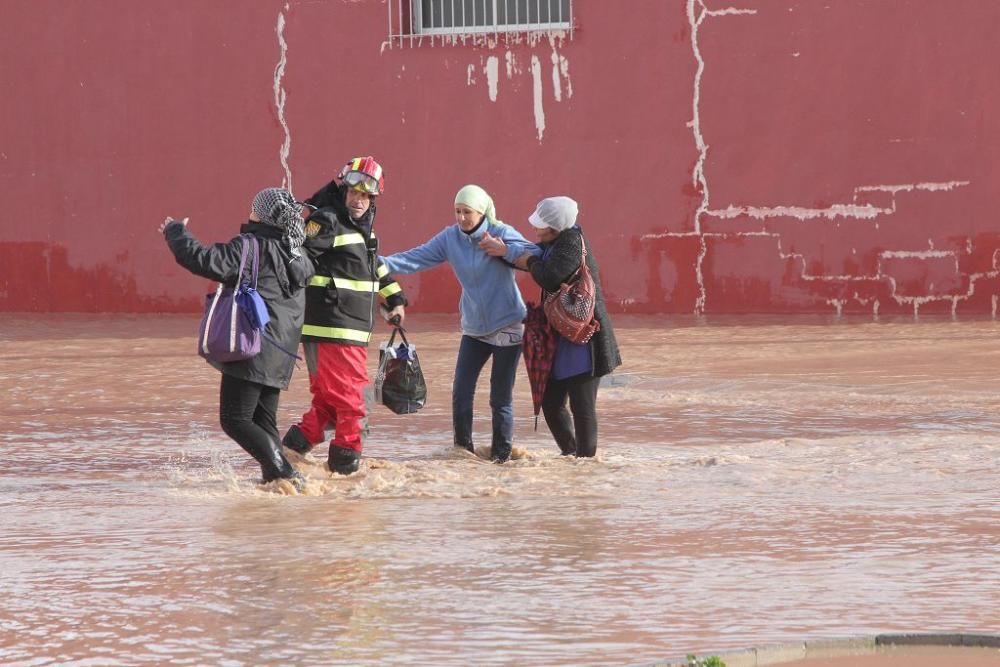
[(492, 310)]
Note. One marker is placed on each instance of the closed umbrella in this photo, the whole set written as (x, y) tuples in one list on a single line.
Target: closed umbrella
[(539, 352)]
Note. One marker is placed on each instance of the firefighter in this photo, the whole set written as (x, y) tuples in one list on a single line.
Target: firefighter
[(341, 303)]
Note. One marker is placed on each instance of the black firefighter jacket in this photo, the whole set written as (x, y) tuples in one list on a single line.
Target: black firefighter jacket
[(342, 297)]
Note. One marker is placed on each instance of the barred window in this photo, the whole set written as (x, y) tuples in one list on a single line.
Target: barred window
[(416, 18)]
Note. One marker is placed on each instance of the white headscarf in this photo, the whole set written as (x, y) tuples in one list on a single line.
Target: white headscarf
[(558, 213), (477, 199)]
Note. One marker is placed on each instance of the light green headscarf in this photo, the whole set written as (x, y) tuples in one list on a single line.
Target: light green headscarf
[(477, 199)]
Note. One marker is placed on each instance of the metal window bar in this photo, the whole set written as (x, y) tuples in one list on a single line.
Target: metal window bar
[(415, 19)]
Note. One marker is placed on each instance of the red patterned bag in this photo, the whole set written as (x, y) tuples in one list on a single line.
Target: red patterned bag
[(570, 310)]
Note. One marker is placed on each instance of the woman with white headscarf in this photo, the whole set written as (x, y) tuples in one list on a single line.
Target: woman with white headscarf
[(577, 369), (491, 307), (249, 391)]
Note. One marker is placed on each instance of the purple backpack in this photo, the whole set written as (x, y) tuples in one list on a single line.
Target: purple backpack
[(235, 317)]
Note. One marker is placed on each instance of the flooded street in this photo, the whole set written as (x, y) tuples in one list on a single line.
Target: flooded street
[(758, 480)]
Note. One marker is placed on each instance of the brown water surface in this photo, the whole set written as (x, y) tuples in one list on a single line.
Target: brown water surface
[(758, 481)]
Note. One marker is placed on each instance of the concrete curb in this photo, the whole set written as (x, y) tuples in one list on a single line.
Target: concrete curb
[(825, 648)]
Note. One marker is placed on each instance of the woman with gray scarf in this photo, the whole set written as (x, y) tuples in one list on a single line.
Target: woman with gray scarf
[(577, 369), (249, 392)]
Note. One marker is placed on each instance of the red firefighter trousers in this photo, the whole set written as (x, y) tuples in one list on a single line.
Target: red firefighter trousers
[(338, 375)]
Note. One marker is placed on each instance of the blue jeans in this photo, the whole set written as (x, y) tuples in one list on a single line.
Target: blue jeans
[(472, 356)]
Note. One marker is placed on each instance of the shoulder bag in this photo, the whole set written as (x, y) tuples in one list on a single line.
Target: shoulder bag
[(570, 309), (235, 317)]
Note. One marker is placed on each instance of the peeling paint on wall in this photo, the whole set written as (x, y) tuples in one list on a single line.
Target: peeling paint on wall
[(279, 101), (492, 74), (559, 76), (865, 212), (536, 77), (854, 210), (511, 64), (560, 72)]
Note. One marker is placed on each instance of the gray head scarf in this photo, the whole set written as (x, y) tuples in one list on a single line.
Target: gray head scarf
[(277, 207)]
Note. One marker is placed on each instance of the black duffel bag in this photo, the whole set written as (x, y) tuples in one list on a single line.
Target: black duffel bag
[(399, 382)]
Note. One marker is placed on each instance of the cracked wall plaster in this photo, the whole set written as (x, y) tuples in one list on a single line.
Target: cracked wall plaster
[(280, 96)]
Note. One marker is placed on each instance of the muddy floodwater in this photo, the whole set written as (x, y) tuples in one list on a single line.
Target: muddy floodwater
[(759, 481)]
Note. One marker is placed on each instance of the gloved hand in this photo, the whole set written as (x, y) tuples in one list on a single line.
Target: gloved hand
[(325, 196)]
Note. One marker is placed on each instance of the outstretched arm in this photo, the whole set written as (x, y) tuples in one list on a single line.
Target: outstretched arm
[(424, 256), (218, 262)]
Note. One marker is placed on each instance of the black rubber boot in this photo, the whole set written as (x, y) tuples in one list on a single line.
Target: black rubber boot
[(278, 467), (343, 461), (465, 445), (296, 441)]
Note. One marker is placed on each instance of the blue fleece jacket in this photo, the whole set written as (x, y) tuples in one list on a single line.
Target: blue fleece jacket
[(490, 296)]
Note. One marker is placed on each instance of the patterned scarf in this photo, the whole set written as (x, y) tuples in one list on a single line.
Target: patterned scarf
[(277, 207)]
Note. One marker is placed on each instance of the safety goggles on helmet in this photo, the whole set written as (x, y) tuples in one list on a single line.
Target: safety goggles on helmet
[(361, 182), (364, 174)]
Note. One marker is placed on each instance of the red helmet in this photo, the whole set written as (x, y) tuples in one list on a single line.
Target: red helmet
[(363, 174)]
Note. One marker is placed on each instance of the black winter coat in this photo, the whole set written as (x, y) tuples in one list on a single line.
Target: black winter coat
[(281, 282), (564, 259)]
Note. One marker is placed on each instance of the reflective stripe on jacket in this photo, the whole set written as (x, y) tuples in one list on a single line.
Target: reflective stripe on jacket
[(341, 297)]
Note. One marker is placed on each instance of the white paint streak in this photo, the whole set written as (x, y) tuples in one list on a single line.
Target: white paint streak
[(470, 75), (920, 254), (909, 187), (864, 212), (511, 64), (279, 101), (698, 179), (698, 173), (536, 76), (556, 78), (564, 69), (560, 72), (855, 211), (697, 11), (728, 11), (492, 75)]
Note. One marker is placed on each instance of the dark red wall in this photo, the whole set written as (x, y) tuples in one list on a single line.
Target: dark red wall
[(776, 156)]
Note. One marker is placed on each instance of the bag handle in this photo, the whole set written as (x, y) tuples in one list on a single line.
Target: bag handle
[(401, 335), (583, 258), (249, 243), (243, 260), (392, 338), (255, 245)]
